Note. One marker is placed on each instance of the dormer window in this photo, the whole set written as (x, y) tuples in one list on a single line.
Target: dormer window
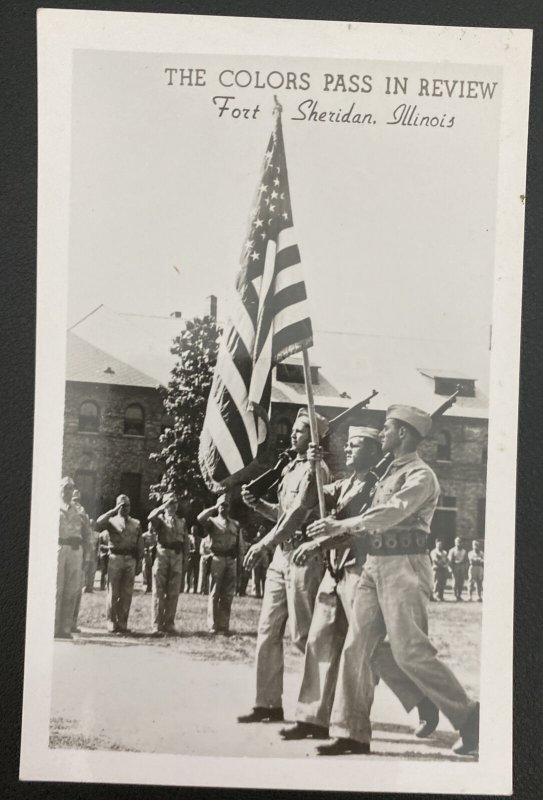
[(446, 382), (294, 373)]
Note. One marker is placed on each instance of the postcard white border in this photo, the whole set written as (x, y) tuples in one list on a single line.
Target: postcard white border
[(61, 32)]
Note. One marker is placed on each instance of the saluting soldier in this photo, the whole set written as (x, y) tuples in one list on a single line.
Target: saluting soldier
[(72, 543), (333, 610), (290, 589), (125, 559), (171, 553), (226, 546), (393, 593)]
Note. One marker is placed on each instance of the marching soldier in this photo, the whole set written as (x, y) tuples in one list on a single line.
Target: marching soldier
[(476, 559), (124, 562), (458, 559), (333, 609), (392, 594), (440, 566), (290, 590), (227, 551), (172, 551), (72, 543)]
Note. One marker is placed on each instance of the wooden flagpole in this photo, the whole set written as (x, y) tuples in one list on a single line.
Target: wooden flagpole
[(314, 429)]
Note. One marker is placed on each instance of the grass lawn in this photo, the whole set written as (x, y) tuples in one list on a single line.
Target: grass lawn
[(455, 630)]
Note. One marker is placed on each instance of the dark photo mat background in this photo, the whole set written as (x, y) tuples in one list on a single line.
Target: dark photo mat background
[(17, 335)]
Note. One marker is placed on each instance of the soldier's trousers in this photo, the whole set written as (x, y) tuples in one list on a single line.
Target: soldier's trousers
[(459, 576), (90, 571), (323, 652), (440, 580), (167, 577), (392, 597), (203, 577), (259, 579), (289, 594), (77, 605), (69, 561), (121, 571), (475, 577), (148, 571), (193, 571), (221, 592)]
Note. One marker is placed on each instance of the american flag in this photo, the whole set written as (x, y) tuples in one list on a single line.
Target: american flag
[(269, 321)]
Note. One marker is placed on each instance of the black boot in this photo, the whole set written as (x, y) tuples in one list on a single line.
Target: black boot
[(304, 730), (261, 714)]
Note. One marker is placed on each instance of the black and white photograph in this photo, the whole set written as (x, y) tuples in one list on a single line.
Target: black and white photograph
[(278, 335)]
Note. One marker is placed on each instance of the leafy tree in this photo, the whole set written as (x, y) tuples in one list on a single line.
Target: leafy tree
[(185, 401)]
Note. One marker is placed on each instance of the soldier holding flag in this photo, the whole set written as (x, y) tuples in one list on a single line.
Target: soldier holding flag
[(290, 590)]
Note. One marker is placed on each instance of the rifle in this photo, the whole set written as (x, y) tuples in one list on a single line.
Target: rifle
[(358, 504), (259, 486)]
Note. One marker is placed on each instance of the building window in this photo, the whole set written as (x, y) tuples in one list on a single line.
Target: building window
[(447, 386), (444, 521), (288, 372), (283, 429), (443, 440), (85, 481), (134, 420), (131, 486), (89, 417)]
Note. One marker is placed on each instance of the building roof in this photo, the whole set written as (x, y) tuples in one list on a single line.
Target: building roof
[(395, 367), (89, 364), (142, 341), (352, 364)]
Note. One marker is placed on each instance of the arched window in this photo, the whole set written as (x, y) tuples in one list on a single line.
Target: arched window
[(134, 420), (89, 417), (283, 429), (443, 439)]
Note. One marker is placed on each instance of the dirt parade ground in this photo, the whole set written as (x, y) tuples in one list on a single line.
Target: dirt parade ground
[(182, 694)]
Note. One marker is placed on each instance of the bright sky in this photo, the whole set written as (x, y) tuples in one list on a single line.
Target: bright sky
[(395, 224)]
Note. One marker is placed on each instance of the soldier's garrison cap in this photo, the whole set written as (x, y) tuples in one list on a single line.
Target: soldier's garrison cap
[(364, 432), (418, 419), (322, 422)]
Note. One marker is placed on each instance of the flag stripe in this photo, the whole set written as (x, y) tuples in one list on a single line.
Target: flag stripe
[(269, 319)]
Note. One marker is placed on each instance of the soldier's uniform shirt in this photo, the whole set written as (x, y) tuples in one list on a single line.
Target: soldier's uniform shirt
[(391, 597), (168, 569), (290, 590), (226, 546), (71, 545), (439, 558), (330, 624), (125, 545), (205, 565)]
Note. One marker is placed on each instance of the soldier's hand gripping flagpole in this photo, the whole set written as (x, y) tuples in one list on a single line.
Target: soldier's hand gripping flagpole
[(314, 430)]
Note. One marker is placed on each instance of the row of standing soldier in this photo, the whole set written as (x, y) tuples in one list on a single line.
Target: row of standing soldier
[(166, 553)]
